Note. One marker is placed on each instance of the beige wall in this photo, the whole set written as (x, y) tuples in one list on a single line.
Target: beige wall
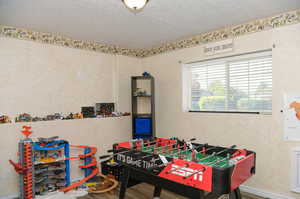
[(126, 67), (42, 79), (261, 133)]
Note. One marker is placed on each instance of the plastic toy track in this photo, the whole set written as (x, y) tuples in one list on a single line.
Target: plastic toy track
[(114, 182), (92, 165), (94, 173)]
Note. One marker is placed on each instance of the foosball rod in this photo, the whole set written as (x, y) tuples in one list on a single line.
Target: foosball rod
[(209, 149), (131, 149), (156, 148), (232, 147), (169, 151), (173, 155), (218, 161), (217, 153), (210, 156), (196, 148), (182, 167), (214, 163), (193, 139), (152, 143), (134, 148), (213, 154), (161, 165)]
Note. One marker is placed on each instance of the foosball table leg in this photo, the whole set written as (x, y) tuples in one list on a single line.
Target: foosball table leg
[(236, 194), (124, 183), (157, 192)]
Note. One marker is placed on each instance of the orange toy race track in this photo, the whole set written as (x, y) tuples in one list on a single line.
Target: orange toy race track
[(92, 165)]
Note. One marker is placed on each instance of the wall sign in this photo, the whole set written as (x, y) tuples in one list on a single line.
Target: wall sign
[(218, 47)]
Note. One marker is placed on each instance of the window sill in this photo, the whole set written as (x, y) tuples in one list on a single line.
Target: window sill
[(232, 112)]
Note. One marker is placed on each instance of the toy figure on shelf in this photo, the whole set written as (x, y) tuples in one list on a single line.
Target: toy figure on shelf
[(72, 116), (105, 109), (146, 74), (140, 92), (69, 117), (37, 119), (25, 117), (4, 119), (78, 116), (88, 112), (56, 116)]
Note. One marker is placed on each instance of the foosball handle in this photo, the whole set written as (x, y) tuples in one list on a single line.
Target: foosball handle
[(233, 146), (193, 139), (110, 151)]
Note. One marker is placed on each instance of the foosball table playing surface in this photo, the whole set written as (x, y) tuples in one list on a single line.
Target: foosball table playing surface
[(190, 169)]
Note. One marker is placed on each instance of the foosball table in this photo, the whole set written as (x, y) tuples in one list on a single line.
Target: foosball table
[(190, 169)]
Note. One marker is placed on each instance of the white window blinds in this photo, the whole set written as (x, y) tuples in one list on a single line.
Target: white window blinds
[(233, 84)]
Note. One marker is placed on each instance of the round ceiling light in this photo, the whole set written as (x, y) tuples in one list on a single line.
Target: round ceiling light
[(135, 5)]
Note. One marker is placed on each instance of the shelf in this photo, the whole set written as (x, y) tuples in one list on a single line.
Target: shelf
[(142, 77), (142, 115), (143, 105), (143, 135), (142, 96), (59, 121)]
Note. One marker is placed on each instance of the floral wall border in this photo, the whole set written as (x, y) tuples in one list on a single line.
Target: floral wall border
[(283, 19), (48, 38), (268, 23)]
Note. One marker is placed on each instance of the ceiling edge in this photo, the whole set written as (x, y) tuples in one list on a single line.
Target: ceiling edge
[(268, 23)]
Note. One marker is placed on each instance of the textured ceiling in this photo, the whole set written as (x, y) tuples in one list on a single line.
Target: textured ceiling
[(109, 22)]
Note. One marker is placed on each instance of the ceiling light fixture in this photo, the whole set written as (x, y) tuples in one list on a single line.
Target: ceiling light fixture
[(135, 5)]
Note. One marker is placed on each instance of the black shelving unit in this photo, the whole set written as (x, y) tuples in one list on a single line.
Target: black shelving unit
[(143, 106)]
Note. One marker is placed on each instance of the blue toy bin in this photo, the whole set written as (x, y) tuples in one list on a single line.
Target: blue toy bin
[(143, 126)]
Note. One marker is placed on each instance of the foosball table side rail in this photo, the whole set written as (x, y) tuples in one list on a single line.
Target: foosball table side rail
[(136, 145)]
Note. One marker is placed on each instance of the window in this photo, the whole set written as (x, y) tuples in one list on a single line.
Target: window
[(234, 84)]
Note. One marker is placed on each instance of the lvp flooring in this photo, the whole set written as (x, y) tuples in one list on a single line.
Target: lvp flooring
[(144, 191)]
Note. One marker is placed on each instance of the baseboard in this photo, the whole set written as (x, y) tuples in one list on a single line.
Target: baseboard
[(11, 196), (243, 188), (263, 193)]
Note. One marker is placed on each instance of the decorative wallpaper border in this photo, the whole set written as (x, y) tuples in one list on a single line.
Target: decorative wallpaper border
[(203, 38), (226, 33), (48, 38)]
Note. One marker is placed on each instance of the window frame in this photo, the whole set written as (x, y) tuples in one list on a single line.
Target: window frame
[(187, 81)]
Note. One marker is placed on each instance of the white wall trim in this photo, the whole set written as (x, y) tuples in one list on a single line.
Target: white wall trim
[(116, 82), (243, 188), (11, 196), (295, 169), (263, 193)]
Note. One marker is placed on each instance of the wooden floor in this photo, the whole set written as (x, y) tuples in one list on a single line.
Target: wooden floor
[(144, 191)]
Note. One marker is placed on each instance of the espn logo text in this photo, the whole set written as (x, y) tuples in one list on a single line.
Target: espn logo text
[(185, 172)]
